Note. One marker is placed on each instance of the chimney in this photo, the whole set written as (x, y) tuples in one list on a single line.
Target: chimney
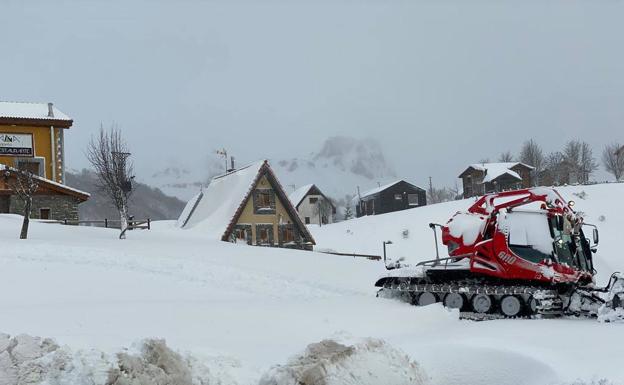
[(50, 110), (231, 164)]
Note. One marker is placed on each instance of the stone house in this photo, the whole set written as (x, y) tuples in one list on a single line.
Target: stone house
[(247, 205), (484, 178), (52, 200), (313, 206), (32, 138)]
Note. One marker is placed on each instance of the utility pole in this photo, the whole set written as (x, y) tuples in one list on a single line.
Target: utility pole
[(431, 190)]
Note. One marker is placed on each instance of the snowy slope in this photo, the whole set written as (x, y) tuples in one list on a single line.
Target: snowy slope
[(241, 310)]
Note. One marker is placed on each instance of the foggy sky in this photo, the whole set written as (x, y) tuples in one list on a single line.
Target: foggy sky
[(439, 83)]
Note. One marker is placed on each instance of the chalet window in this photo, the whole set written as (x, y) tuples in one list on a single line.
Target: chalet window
[(307, 220), (33, 165), (313, 200), (412, 199), (398, 197), (242, 233), (264, 201)]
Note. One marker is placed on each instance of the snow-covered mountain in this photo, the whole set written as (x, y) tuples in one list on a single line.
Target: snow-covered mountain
[(341, 166), (338, 168)]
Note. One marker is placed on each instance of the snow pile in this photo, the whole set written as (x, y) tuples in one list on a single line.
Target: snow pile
[(467, 226), (26, 360), (367, 362), (29, 360), (155, 363)]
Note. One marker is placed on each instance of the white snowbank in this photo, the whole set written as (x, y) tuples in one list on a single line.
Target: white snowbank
[(328, 362)]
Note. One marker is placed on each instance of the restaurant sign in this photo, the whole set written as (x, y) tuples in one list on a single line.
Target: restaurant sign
[(12, 144)]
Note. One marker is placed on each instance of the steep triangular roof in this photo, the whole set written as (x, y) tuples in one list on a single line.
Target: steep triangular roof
[(217, 208), (297, 196)]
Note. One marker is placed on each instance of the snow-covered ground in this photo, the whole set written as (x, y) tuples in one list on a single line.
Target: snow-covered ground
[(241, 310)]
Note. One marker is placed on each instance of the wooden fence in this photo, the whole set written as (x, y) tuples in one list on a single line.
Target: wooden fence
[(144, 224), (354, 255)]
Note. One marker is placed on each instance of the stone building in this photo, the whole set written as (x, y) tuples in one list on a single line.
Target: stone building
[(313, 206), (484, 178), (247, 205), (51, 200), (32, 138)]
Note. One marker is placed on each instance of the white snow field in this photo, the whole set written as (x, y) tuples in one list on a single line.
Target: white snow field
[(239, 311)]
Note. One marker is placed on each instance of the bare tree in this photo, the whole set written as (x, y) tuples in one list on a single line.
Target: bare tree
[(23, 184), (531, 154), (555, 170), (108, 154), (324, 210), (506, 156), (613, 160), (579, 161), (588, 162)]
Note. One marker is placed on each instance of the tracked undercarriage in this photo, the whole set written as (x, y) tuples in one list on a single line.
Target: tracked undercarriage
[(482, 299)]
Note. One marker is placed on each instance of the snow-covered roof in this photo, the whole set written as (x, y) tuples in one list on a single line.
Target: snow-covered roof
[(495, 170), (219, 202), (297, 196), (215, 210), (381, 188), (85, 195), (25, 110)]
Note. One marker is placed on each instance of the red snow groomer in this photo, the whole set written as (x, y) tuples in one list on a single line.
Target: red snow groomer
[(515, 253)]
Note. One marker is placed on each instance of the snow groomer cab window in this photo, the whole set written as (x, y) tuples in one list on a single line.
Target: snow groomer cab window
[(528, 235)]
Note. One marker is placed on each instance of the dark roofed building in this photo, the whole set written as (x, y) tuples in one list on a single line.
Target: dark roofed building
[(484, 178), (395, 196)]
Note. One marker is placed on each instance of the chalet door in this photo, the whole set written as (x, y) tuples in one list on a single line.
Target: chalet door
[(4, 204), (44, 213)]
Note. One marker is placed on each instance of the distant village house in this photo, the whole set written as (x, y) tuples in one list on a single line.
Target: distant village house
[(247, 205), (32, 138), (395, 196), (484, 178), (312, 205)]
